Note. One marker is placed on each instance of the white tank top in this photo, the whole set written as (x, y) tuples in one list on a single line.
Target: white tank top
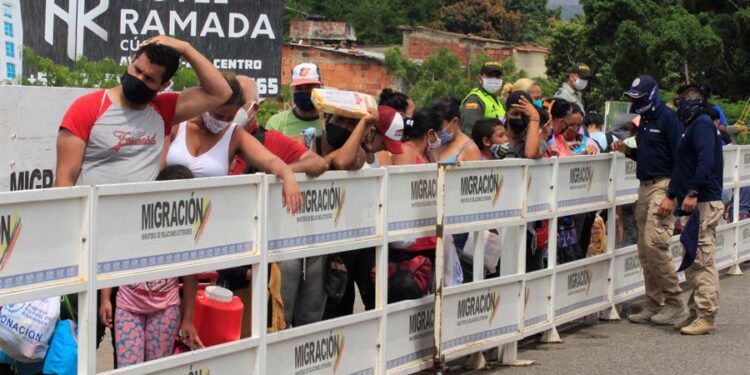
[(212, 163)]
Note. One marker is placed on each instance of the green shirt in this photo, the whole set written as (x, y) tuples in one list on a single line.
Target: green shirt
[(288, 123), (479, 104)]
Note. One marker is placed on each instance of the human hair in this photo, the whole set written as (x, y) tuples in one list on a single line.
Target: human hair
[(522, 84), (484, 128), (238, 96), (162, 55), (174, 172), (561, 108), (448, 108), (422, 122), (394, 99), (593, 118), (713, 113)]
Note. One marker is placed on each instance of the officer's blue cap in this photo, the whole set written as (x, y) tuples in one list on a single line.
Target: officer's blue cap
[(641, 86), (689, 239)]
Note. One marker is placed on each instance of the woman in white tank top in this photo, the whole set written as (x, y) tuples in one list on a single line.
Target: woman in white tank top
[(208, 143)]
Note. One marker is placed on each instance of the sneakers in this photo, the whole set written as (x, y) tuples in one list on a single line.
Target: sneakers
[(686, 322), (644, 316), (669, 315), (699, 326)]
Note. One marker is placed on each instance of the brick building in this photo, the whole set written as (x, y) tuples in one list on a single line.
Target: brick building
[(330, 45)]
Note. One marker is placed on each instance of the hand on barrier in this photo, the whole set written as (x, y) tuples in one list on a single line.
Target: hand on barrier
[(189, 335), (621, 147), (665, 207), (178, 45), (105, 313), (591, 150), (292, 196), (373, 116)]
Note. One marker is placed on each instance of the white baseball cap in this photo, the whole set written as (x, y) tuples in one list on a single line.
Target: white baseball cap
[(305, 74)]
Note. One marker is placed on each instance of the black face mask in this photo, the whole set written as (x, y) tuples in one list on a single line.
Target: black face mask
[(135, 90), (336, 135), (517, 125), (303, 101), (641, 105), (689, 109)]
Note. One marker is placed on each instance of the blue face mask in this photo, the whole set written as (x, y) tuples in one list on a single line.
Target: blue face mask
[(538, 103), (446, 137)]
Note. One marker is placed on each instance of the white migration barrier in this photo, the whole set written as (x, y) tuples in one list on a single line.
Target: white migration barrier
[(78, 240)]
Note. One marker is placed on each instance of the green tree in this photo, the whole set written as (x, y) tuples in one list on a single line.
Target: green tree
[(485, 18), (535, 18)]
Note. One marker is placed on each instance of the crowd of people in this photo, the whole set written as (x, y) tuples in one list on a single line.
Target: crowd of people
[(139, 132)]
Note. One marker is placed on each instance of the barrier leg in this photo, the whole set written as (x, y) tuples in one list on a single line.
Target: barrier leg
[(611, 314), (475, 361), (551, 336), (735, 270), (510, 356)]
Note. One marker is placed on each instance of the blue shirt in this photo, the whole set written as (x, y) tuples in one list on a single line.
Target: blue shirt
[(722, 118), (700, 162), (656, 140)]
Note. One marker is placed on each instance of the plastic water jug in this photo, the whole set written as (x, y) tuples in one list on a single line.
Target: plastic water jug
[(218, 316)]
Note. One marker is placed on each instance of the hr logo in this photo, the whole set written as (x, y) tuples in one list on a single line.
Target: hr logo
[(77, 20)]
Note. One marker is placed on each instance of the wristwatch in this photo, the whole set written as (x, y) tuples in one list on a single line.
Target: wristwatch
[(692, 193)]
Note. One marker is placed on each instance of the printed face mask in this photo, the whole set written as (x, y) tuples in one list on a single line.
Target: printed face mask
[(214, 125), (434, 145), (243, 117)]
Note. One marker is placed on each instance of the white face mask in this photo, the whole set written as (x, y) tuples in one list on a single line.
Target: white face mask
[(492, 85), (243, 117), (432, 146), (214, 125), (580, 84)]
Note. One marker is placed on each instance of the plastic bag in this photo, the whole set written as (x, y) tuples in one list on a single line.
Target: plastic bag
[(62, 356), (452, 272), (492, 249), (26, 328)]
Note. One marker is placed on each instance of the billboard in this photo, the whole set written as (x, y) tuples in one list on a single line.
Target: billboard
[(241, 36)]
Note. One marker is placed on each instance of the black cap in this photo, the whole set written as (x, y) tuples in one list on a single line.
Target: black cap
[(491, 67), (706, 87), (641, 86), (582, 70), (692, 86)]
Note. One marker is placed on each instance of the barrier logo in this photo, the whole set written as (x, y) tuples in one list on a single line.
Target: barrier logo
[(579, 282), (198, 371), (318, 355), (322, 204), (677, 251), (178, 218), (421, 324), (581, 178), (478, 307), (10, 230), (424, 193), (481, 188), (632, 265)]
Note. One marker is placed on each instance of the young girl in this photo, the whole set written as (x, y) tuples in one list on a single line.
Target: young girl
[(147, 317)]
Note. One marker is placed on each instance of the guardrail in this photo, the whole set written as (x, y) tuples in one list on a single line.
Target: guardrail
[(78, 240)]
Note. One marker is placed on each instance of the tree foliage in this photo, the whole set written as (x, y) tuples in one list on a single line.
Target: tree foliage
[(104, 73), (442, 74), (676, 41)]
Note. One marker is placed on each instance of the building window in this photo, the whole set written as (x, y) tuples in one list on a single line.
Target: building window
[(6, 12), (11, 68), (8, 29), (10, 50)]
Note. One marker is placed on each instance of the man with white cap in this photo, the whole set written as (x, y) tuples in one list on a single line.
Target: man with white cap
[(305, 78), (657, 137)]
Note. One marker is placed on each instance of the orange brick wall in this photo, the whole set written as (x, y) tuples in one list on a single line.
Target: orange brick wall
[(339, 70), (421, 44)]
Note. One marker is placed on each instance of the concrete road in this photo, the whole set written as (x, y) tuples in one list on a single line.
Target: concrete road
[(625, 348)]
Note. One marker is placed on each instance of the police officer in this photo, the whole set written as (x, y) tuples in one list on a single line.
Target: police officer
[(697, 183), (571, 90), (657, 138), (482, 102)]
